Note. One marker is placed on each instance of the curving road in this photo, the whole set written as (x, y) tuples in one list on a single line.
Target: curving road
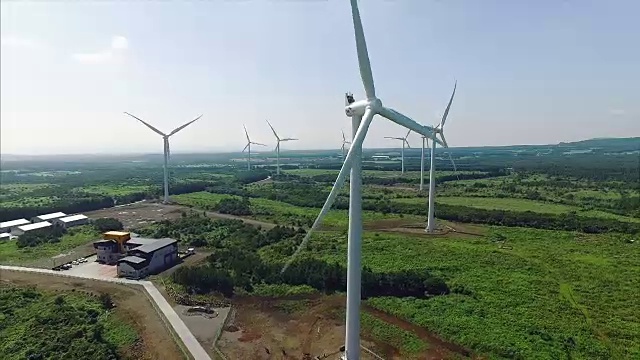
[(190, 342)]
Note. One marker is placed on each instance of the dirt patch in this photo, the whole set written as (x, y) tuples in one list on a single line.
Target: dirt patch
[(261, 328), (139, 214), (132, 306)]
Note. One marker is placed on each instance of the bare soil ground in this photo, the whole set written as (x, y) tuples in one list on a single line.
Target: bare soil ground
[(261, 328), (132, 306), (144, 213)]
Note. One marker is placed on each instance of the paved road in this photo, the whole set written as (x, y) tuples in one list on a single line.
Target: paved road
[(194, 347)]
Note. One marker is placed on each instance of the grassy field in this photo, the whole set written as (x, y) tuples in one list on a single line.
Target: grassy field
[(545, 295), (283, 213), (50, 325), (515, 205), (10, 253), (114, 190)]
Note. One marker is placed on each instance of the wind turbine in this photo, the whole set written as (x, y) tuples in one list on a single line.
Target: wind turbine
[(439, 129), (361, 113), (277, 146), (404, 141), (344, 143), (165, 138), (248, 147)]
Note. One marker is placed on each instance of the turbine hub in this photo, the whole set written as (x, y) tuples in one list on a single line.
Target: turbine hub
[(356, 108), (375, 104)]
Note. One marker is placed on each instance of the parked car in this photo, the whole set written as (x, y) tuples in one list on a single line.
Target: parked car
[(74, 262)]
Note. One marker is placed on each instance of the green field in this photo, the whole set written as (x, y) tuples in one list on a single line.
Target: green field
[(515, 205), (114, 190), (46, 325), (544, 290), (283, 213), (10, 253)]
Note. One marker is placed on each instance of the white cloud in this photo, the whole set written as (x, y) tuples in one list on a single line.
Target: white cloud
[(617, 112), (119, 45), (14, 41)]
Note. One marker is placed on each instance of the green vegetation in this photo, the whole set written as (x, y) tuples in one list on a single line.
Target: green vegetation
[(11, 253), (408, 343), (526, 298), (38, 325)]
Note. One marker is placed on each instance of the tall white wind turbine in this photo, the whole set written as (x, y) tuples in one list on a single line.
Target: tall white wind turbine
[(404, 142), (165, 138), (361, 113), (439, 129), (278, 146), (345, 142), (248, 147)]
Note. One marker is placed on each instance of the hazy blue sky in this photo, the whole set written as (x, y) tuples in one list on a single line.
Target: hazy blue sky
[(529, 72)]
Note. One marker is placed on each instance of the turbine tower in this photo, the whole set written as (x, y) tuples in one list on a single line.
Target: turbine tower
[(439, 129), (404, 141), (424, 139), (248, 147), (361, 113), (165, 138), (344, 143), (277, 146)]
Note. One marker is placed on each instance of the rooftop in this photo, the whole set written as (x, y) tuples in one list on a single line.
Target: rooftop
[(156, 245), (73, 218), (16, 222), (140, 241), (54, 215), (116, 233), (4, 235), (132, 259), (38, 225)]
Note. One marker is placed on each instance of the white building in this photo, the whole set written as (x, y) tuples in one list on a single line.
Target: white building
[(48, 217), (151, 256), (7, 226), (20, 230), (5, 236), (73, 220)]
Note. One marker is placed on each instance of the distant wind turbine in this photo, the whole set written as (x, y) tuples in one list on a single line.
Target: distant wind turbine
[(278, 146), (248, 147), (404, 141), (438, 129), (165, 138), (345, 142)]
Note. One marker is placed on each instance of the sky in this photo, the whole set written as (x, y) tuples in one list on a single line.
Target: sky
[(528, 72)]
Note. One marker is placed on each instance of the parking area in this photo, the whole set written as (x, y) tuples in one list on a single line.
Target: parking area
[(92, 268)]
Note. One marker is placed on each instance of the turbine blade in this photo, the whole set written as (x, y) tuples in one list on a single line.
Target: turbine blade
[(274, 132), (245, 148), (255, 143), (446, 111), (408, 132), (246, 133), (389, 137), (444, 141), (289, 139), (407, 122), (406, 142), (184, 126), (455, 168), (343, 138), (277, 146), (147, 124), (337, 186), (363, 54)]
